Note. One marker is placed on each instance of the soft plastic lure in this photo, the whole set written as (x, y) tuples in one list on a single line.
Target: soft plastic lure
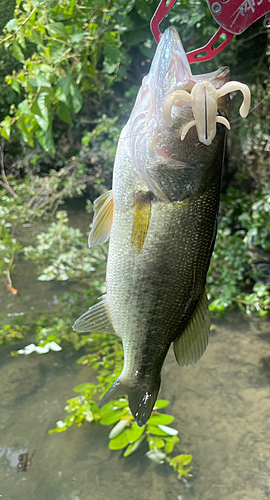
[(204, 99)]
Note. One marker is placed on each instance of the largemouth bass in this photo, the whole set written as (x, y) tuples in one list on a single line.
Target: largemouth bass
[(161, 216)]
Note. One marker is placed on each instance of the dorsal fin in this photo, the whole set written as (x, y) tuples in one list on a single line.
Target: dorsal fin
[(96, 320), (142, 215), (102, 221), (191, 344)]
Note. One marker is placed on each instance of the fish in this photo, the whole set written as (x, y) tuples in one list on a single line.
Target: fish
[(161, 219)]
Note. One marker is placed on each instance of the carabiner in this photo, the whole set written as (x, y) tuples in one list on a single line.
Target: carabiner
[(203, 53)]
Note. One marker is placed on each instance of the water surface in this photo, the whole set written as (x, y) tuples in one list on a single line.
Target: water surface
[(221, 407)]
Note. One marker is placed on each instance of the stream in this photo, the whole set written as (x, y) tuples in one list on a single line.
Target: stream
[(221, 407)]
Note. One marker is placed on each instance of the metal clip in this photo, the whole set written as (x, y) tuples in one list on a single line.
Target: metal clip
[(202, 54), (266, 21)]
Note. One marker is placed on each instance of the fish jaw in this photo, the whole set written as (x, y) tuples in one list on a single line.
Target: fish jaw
[(169, 68)]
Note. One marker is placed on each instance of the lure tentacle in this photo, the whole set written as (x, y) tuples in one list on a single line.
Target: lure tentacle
[(224, 121), (232, 87), (186, 128), (174, 99)]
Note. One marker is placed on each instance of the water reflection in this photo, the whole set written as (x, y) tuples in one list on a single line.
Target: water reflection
[(222, 411), (221, 407), (9, 458)]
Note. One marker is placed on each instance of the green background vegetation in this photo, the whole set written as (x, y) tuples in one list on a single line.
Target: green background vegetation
[(69, 74)]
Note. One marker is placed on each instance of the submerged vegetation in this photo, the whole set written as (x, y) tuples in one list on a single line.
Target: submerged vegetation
[(70, 71)]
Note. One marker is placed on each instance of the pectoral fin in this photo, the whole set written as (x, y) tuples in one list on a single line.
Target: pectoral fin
[(96, 319), (102, 221), (191, 344), (142, 215)]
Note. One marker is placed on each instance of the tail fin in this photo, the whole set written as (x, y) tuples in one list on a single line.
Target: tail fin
[(141, 397)]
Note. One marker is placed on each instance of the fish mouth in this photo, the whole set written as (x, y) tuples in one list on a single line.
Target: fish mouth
[(172, 65)]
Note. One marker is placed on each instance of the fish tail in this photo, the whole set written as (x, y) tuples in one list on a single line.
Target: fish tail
[(141, 397)]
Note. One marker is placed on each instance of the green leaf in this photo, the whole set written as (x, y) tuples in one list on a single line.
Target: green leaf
[(45, 138), (15, 86), (5, 131), (112, 416), (11, 25), (17, 53), (112, 53), (35, 38), (181, 460), (53, 431), (109, 67), (143, 9), (39, 81), (63, 113), (77, 36), (76, 97), (169, 447), (57, 29), (160, 419), (133, 447), (122, 440), (68, 10), (24, 108), (161, 403), (82, 388), (260, 289), (155, 442), (26, 127), (43, 120), (170, 443), (118, 428), (168, 430), (90, 70), (136, 432), (67, 92), (153, 429)]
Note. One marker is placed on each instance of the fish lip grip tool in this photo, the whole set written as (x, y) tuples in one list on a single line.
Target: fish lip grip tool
[(233, 17)]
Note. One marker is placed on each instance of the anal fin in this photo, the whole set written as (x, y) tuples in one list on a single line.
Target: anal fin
[(191, 344), (96, 319), (102, 222)]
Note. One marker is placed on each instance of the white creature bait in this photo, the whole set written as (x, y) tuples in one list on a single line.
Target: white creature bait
[(204, 99)]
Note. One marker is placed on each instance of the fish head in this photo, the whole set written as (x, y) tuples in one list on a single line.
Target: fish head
[(148, 139)]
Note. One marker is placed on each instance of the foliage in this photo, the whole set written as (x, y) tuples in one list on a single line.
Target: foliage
[(10, 334), (126, 435), (66, 260), (233, 277), (105, 356), (63, 54), (37, 198)]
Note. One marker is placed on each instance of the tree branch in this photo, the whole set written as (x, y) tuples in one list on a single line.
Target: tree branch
[(5, 184)]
